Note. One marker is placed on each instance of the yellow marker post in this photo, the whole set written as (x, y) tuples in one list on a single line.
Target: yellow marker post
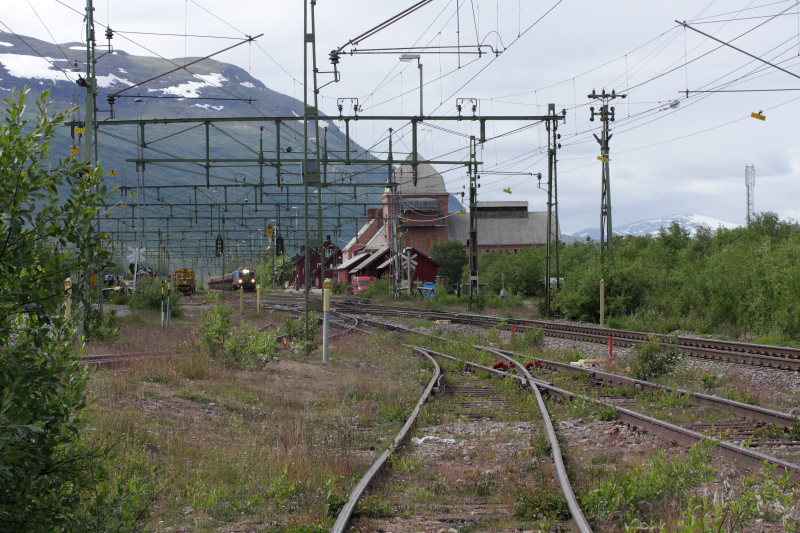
[(258, 299), (326, 311)]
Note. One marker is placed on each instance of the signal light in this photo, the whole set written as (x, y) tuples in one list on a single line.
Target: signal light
[(219, 246)]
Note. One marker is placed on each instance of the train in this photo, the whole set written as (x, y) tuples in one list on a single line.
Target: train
[(240, 279), (185, 280)]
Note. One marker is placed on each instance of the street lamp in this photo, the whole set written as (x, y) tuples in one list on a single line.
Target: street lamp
[(412, 57)]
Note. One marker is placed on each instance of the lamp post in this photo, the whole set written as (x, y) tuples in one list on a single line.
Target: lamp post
[(412, 57)]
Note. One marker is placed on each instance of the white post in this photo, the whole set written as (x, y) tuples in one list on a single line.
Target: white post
[(326, 308)]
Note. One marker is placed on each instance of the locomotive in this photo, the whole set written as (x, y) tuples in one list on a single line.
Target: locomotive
[(240, 279)]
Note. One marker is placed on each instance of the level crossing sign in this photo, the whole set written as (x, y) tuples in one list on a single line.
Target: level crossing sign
[(136, 255)]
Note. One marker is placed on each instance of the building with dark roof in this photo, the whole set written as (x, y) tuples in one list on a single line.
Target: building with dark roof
[(427, 213)]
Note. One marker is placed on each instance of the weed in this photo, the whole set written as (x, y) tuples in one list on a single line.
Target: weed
[(668, 399), (105, 329), (710, 381), (480, 485), (766, 497), (295, 330), (541, 503), (249, 348), (375, 506), (423, 323), (404, 463), (645, 490), (528, 340), (655, 359), (216, 327), (540, 446), (607, 413)]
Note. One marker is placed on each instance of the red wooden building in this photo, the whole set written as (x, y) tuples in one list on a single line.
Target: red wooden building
[(332, 259)]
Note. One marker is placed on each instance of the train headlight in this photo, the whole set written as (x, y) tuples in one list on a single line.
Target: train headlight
[(253, 280), (240, 280)]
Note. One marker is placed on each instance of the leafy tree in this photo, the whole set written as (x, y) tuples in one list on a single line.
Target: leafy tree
[(49, 479), (452, 259)]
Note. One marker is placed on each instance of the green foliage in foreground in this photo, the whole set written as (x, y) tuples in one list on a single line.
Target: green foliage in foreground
[(50, 478), (742, 280), (249, 348), (645, 491), (295, 330), (216, 328)]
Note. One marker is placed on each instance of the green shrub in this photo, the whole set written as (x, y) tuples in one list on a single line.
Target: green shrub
[(295, 330), (527, 340), (644, 491), (148, 296), (105, 329), (249, 348), (541, 504), (655, 359), (216, 327)]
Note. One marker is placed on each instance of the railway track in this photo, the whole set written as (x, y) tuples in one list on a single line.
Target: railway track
[(472, 399), (779, 357), (722, 449)]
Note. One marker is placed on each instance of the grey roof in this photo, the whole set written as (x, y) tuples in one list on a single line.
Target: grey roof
[(494, 205), (372, 258), (428, 180), (350, 262), (502, 231)]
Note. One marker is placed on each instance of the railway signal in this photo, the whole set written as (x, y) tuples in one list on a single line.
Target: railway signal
[(220, 246)]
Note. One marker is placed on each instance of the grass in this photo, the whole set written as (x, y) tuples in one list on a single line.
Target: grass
[(270, 450)]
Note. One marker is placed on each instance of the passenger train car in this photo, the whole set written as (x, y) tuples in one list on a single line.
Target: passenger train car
[(240, 279)]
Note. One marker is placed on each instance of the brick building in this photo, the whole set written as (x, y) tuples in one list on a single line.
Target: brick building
[(429, 214)]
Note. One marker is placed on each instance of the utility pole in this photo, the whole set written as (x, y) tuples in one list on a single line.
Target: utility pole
[(606, 115), (750, 184), (394, 218), (473, 221)]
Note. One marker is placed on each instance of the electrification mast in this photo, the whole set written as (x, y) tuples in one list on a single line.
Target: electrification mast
[(606, 115), (473, 221)]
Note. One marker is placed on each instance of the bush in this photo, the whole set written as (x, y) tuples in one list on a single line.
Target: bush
[(51, 477), (249, 348), (105, 329), (295, 330), (216, 327), (527, 340), (654, 359), (148, 296)]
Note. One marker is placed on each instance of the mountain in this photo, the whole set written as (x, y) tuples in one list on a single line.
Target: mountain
[(242, 197), (652, 226)]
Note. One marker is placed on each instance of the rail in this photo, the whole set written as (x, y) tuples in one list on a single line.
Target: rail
[(343, 520)]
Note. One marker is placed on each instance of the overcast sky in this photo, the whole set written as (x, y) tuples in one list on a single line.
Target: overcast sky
[(669, 154)]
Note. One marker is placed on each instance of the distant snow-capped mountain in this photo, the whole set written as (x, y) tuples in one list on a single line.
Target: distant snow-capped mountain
[(652, 226)]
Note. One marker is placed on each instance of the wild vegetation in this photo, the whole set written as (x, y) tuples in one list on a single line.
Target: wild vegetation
[(51, 478)]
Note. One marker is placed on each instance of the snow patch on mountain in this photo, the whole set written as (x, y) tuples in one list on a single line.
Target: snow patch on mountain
[(108, 81), (2, 43), (24, 66), (653, 226), (191, 89)]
